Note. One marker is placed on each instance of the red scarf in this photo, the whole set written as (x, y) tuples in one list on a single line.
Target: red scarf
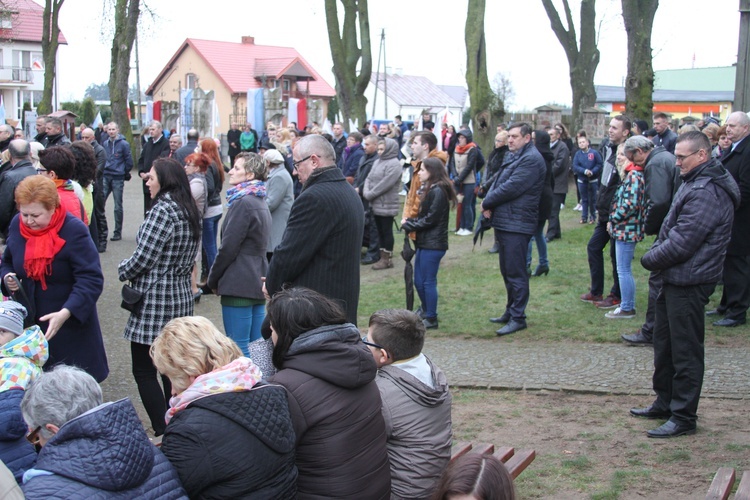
[(41, 247), (462, 149)]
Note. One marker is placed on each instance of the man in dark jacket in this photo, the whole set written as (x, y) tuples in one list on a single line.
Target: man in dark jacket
[(339, 143), (233, 140), (689, 253), (370, 154), (41, 129), (116, 172), (494, 162), (665, 137), (20, 168), (512, 205), (189, 148), (6, 135), (619, 131), (321, 245), (661, 182), (560, 169), (55, 135), (353, 156), (735, 297), (156, 146), (89, 135)]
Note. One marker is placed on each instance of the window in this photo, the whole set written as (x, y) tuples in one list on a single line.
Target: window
[(33, 97), (287, 85), (6, 20), (191, 81)]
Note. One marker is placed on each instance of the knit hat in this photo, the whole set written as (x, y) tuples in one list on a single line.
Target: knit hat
[(273, 157), (12, 315)]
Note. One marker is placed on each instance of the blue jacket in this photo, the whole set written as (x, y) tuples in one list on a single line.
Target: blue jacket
[(104, 453), (514, 196), (15, 451), (587, 160), (119, 159), (351, 164)]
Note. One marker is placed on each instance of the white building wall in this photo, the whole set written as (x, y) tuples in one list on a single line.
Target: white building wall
[(18, 84)]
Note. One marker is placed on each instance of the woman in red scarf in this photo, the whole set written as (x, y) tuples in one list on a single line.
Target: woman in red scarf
[(53, 255)]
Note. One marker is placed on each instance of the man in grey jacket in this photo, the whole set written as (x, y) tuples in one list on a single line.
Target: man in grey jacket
[(416, 403)]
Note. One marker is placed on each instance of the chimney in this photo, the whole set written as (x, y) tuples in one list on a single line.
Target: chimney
[(249, 40)]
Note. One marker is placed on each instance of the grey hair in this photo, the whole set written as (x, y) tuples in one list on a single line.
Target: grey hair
[(158, 124), (741, 117), (253, 163), (58, 396), (638, 142), (316, 145), (175, 136)]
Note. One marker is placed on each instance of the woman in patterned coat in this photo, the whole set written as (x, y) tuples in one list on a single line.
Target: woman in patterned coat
[(160, 269)]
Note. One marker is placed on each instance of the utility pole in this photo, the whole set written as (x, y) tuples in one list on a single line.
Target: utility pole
[(742, 79), (138, 84), (381, 52)]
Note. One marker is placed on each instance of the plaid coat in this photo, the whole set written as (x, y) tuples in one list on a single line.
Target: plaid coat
[(162, 260)]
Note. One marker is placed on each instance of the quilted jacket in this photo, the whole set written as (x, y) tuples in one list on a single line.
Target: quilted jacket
[(628, 206), (104, 453), (234, 445), (384, 182), (15, 451)]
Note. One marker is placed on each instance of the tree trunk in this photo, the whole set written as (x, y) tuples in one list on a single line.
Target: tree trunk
[(50, 34), (581, 61), (346, 51), (483, 116), (126, 29), (639, 84)]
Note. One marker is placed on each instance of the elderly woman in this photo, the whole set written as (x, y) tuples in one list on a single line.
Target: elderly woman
[(90, 449), (196, 166), (160, 269), (241, 260), (280, 196), (381, 190), (228, 435), (53, 255), (339, 428)]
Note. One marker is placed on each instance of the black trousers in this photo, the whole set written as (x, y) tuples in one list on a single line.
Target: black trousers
[(654, 287), (146, 199), (735, 297), (595, 249), (553, 228), (99, 211), (155, 399), (512, 248), (678, 349), (384, 224)]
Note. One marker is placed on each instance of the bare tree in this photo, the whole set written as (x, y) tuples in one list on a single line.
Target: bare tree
[(639, 84), (126, 28), (50, 42), (503, 88), (583, 58), (348, 51)]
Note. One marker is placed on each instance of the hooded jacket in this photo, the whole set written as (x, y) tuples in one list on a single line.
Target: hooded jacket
[(15, 451), (329, 375), (418, 425), (384, 182), (104, 453), (119, 159), (695, 234), (22, 359), (465, 171)]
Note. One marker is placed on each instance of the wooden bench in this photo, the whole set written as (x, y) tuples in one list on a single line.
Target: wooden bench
[(516, 461), (721, 486)]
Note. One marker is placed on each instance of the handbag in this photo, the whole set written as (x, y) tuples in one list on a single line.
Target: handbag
[(23, 299), (132, 298)]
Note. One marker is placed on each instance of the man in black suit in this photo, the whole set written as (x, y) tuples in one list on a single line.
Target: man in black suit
[(321, 245), (156, 146)]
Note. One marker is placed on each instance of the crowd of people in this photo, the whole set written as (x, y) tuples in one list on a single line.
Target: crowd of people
[(300, 209)]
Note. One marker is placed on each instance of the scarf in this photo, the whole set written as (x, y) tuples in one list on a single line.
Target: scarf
[(254, 188), (238, 376), (462, 149), (65, 184), (41, 247)]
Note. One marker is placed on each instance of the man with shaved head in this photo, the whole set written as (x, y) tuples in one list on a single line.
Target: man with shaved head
[(20, 168)]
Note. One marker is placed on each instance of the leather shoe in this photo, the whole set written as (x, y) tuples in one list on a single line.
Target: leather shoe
[(729, 322), (513, 326), (430, 323), (714, 312), (115, 237), (637, 338), (502, 319), (650, 412), (670, 429)]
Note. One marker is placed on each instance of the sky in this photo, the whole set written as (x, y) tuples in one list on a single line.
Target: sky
[(520, 41)]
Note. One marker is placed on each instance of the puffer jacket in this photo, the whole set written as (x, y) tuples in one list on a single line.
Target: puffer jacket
[(695, 234), (22, 359), (384, 182), (662, 178), (431, 224), (15, 451), (514, 196), (104, 453), (234, 445), (341, 440), (626, 216)]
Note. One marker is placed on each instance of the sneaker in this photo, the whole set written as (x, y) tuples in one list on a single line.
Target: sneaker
[(587, 297), (578, 208), (620, 314), (463, 232), (608, 303), (562, 206)]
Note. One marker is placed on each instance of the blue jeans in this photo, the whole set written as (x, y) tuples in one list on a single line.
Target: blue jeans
[(210, 230), (625, 251), (541, 246), (242, 324), (426, 265), (588, 192), (468, 213), (114, 186)]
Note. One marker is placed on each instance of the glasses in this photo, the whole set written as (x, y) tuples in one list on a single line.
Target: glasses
[(372, 344), (303, 160), (683, 158), (33, 437), (41, 170)]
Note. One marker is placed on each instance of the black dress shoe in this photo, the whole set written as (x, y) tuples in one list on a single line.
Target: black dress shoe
[(115, 237), (729, 322), (714, 312), (670, 429), (650, 412), (102, 248), (637, 338), (430, 323), (513, 326), (502, 319)]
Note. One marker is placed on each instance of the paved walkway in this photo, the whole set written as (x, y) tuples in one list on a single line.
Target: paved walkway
[(593, 368)]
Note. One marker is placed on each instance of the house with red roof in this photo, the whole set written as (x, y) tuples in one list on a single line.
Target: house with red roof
[(21, 62), (231, 70)]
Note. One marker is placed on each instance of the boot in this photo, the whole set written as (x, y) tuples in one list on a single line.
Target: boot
[(385, 261)]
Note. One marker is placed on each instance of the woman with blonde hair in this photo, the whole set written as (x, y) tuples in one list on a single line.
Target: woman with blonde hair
[(222, 411)]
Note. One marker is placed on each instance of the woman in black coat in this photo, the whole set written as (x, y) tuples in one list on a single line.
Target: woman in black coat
[(542, 141)]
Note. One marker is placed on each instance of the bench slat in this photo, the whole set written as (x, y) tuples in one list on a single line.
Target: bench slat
[(519, 461), (484, 449), (504, 453), (460, 449), (743, 490), (722, 484)]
